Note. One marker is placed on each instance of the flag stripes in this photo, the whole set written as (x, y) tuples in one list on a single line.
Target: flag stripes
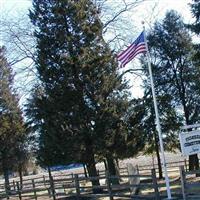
[(137, 47)]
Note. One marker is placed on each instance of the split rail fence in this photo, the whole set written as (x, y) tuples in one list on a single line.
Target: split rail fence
[(77, 185), (190, 189)]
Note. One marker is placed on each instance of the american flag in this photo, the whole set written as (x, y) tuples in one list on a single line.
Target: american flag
[(137, 47)]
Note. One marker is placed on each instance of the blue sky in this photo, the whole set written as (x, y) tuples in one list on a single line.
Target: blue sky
[(148, 11), (15, 8)]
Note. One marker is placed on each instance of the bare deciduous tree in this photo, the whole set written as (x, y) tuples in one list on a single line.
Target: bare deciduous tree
[(18, 37)]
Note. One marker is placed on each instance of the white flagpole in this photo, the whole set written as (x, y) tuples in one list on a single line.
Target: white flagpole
[(158, 121)]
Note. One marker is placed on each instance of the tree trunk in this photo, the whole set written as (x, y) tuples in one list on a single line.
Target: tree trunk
[(51, 183), (49, 171), (117, 167), (112, 169), (7, 183), (159, 163), (93, 173), (158, 157), (193, 162), (20, 176), (92, 169)]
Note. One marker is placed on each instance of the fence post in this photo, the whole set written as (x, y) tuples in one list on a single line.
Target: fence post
[(7, 191), (44, 181), (72, 175), (183, 181), (185, 162), (127, 172), (109, 185), (85, 170), (19, 191), (48, 185), (138, 170), (77, 186), (33, 183), (155, 184), (14, 188)]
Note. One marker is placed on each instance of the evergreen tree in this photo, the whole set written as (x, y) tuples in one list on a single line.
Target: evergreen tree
[(78, 112), (175, 73), (170, 123), (11, 123), (53, 139), (195, 9), (195, 27)]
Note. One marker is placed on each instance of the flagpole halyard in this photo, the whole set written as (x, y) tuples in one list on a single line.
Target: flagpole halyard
[(157, 119)]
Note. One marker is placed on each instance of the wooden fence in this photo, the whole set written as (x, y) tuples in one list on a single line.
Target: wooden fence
[(190, 189), (171, 166), (62, 185), (120, 190), (80, 186)]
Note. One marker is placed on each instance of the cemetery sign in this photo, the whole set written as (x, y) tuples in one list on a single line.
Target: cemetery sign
[(190, 142)]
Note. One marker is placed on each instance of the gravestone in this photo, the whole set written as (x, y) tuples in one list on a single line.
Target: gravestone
[(132, 170)]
